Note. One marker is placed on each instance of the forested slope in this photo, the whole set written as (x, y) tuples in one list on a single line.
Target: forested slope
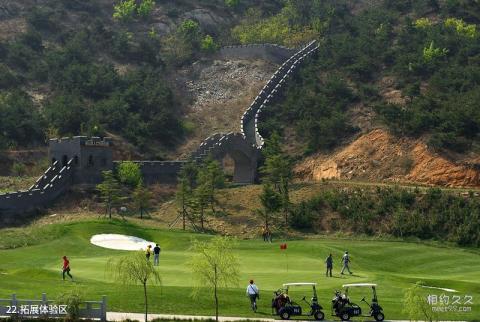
[(409, 68)]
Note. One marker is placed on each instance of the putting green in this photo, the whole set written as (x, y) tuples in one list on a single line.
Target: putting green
[(394, 266)]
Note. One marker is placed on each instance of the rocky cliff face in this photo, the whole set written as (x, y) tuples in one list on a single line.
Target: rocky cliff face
[(379, 156), (219, 92)]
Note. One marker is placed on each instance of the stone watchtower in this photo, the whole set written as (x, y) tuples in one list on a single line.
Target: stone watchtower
[(90, 156)]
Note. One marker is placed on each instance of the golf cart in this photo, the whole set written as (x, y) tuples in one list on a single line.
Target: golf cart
[(344, 309), (285, 307)]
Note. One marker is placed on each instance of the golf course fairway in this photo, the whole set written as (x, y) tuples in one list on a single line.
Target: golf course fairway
[(31, 270)]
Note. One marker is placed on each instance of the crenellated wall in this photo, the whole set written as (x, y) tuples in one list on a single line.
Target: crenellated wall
[(159, 171), (16, 206), (81, 160), (270, 93)]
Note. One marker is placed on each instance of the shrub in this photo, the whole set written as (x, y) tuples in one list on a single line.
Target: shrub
[(129, 173), (7, 78), (432, 54), (19, 169), (423, 23), (301, 217), (72, 299), (467, 30), (145, 8), (232, 3), (124, 10), (208, 44)]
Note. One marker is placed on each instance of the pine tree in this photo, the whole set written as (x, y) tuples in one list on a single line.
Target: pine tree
[(271, 202), (142, 198), (186, 183), (278, 172), (215, 178), (110, 191), (201, 195)]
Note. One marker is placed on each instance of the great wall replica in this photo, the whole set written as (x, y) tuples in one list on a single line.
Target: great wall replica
[(81, 160)]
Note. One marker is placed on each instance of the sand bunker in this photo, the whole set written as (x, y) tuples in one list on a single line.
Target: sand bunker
[(441, 288), (120, 242)]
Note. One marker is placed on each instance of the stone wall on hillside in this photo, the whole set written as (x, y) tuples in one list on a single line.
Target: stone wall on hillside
[(81, 160)]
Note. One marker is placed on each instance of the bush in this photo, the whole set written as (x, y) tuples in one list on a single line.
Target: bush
[(301, 217), (145, 8), (72, 299), (124, 10), (208, 44), (19, 169), (129, 173), (232, 3), (7, 78), (402, 212), (41, 18)]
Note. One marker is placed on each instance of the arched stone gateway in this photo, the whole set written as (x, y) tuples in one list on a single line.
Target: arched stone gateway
[(81, 160), (244, 155)]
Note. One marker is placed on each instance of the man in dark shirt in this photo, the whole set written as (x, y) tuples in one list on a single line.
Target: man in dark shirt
[(156, 255), (329, 263)]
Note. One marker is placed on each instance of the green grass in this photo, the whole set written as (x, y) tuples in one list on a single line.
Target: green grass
[(28, 271)]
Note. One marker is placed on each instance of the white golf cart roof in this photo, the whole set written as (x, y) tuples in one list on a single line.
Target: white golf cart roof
[(299, 284), (360, 285)]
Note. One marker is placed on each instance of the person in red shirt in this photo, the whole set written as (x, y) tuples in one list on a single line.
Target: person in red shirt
[(66, 268)]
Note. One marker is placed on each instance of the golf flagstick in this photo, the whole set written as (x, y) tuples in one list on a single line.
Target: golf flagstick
[(286, 255), (284, 248)]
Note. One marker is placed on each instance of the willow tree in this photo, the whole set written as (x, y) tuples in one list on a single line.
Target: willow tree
[(214, 265), (133, 269)]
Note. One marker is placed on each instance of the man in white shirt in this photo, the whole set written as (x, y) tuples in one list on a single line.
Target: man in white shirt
[(346, 261), (253, 293)]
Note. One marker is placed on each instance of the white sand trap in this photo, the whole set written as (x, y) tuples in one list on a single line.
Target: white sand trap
[(120, 242), (440, 288)]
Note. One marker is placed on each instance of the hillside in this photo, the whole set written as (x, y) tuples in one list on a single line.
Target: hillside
[(391, 79)]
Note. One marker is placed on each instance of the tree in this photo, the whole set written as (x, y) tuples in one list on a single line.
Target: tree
[(209, 177), (110, 191), (145, 8), (215, 178), (129, 173), (186, 183), (142, 198), (416, 305), (201, 197), (21, 123), (133, 269), (271, 202), (278, 171), (213, 266)]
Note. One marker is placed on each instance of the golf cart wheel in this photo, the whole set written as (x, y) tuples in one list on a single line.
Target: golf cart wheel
[(285, 315), (378, 316), (319, 315), (345, 316)]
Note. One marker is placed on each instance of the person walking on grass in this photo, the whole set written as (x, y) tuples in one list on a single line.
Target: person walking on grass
[(346, 260), (66, 268), (253, 293), (148, 252), (329, 263), (156, 255)]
